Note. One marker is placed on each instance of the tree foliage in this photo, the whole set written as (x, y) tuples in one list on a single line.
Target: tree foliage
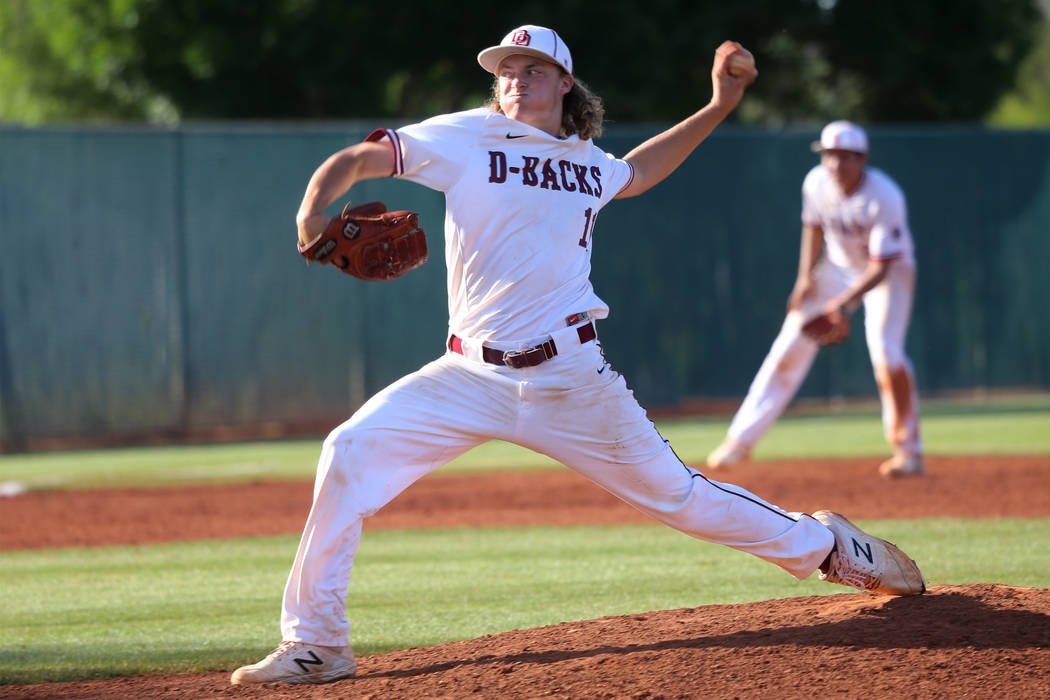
[(71, 59), (157, 60), (940, 60), (1028, 104)]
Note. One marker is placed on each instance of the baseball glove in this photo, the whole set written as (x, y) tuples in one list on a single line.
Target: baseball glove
[(370, 243), (828, 328)]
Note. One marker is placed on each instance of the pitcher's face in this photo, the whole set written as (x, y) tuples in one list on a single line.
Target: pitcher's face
[(531, 90)]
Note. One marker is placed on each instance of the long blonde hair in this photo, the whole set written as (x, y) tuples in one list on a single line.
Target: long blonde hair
[(582, 112)]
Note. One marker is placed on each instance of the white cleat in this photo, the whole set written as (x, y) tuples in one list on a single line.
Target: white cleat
[(299, 662), (902, 465), (729, 453), (868, 563)]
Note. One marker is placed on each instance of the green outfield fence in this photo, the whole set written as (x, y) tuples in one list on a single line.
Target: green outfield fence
[(149, 282)]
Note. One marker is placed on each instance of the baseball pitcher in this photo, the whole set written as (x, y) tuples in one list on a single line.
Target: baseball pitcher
[(524, 184)]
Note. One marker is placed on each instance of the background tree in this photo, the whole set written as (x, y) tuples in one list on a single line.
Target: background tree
[(162, 61), (934, 60), (1028, 104), (64, 60)]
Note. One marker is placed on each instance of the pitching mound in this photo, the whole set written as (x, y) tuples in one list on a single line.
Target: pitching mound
[(957, 641)]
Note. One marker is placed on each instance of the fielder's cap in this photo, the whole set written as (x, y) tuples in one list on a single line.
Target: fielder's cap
[(842, 135), (531, 40)]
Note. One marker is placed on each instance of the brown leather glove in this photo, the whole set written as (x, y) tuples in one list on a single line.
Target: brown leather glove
[(828, 328), (370, 243)]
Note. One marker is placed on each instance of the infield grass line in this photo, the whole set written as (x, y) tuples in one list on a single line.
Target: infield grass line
[(949, 428), (214, 605)]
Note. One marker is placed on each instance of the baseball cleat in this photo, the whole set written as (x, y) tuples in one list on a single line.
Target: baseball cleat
[(902, 465), (298, 662), (868, 563), (729, 453)]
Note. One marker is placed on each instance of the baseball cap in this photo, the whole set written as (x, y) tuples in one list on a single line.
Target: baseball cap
[(843, 135), (531, 40)]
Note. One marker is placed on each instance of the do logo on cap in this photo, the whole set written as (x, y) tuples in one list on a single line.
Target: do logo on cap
[(531, 40)]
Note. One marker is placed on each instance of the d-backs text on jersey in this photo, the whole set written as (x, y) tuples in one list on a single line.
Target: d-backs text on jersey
[(562, 175)]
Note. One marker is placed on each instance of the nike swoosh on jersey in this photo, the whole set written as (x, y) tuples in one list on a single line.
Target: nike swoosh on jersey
[(518, 136)]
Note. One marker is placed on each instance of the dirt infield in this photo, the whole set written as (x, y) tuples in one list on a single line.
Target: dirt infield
[(981, 640), (1017, 486)]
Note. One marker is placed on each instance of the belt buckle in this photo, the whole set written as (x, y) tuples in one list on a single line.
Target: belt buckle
[(529, 357), (515, 359)]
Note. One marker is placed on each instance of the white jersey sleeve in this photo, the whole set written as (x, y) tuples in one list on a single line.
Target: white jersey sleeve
[(432, 152), (889, 223), (811, 188)]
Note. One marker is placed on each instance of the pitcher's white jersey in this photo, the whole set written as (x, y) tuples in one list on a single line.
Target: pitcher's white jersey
[(870, 224), (520, 209)]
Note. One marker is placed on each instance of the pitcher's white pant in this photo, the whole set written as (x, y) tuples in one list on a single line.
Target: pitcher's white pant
[(574, 408), (887, 311)]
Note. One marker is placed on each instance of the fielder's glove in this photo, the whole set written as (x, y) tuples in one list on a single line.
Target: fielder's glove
[(370, 243), (828, 328)]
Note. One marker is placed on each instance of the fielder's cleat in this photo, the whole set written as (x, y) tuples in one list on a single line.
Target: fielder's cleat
[(729, 453), (298, 662), (868, 563), (902, 465)]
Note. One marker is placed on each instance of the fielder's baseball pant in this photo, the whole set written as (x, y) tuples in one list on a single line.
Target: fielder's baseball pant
[(887, 311), (574, 408)]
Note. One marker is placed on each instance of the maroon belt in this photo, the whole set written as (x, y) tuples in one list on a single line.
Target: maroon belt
[(523, 358)]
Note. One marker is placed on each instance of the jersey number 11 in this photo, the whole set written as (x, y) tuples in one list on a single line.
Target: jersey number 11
[(588, 226)]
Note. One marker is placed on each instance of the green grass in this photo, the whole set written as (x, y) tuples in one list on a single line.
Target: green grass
[(1019, 425), (213, 605), (943, 434), (82, 613)]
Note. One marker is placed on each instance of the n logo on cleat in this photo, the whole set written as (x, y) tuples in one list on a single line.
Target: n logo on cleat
[(858, 550), (303, 663)]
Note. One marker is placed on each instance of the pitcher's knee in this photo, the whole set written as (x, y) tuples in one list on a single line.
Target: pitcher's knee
[(352, 439), (347, 454)]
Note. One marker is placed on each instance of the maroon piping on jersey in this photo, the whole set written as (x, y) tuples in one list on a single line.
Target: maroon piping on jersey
[(395, 144), (721, 487)]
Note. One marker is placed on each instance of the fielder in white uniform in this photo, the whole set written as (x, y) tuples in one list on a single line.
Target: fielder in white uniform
[(523, 184), (858, 214)]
